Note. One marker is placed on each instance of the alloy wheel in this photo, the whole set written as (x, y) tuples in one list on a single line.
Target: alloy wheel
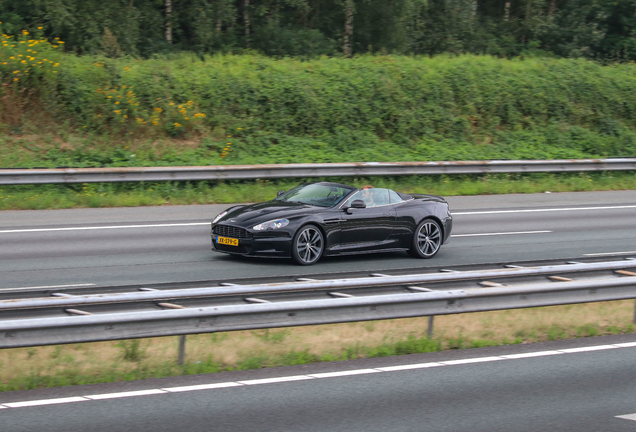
[(308, 246), (429, 238)]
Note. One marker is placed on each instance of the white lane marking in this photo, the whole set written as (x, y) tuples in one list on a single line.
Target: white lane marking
[(611, 253), (408, 367), (544, 210), (208, 223), (47, 286), (344, 373), (103, 227), (471, 360), (125, 394), (626, 345), (45, 402), (531, 354), (501, 233), (587, 349), (319, 375), (201, 387), (275, 380), (627, 416)]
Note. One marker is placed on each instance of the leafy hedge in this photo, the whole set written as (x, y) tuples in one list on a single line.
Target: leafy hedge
[(253, 109)]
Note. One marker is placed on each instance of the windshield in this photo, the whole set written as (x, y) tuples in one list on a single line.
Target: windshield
[(316, 194)]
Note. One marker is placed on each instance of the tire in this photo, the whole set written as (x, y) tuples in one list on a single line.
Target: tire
[(427, 239), (308, 245)]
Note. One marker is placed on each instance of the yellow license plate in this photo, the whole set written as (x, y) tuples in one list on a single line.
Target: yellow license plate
[(227, 241)]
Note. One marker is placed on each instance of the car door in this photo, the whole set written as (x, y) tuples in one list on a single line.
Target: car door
[(367, 227)]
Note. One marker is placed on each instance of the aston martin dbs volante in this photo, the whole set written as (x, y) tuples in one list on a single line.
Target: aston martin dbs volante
[(316, 219)]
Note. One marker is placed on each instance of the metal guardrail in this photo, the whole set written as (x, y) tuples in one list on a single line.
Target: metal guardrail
[(332, 307), (273, 171), (74, 301)]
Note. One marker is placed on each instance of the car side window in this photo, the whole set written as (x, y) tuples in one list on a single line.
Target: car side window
[(380, 197), (394, 197), (371, 197), (355, 196)]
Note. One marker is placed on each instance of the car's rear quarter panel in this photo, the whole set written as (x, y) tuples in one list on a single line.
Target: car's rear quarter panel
[(411, 213)]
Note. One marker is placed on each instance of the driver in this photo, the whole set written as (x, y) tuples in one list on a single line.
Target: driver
[(367, 195)]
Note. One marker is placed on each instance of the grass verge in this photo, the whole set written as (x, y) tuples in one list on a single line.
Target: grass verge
[(61, 365), (37, 197)]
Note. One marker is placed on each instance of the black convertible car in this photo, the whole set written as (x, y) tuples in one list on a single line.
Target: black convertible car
[(325, 218)]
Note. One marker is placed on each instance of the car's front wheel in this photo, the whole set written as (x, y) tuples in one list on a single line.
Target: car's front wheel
[(427, 239), (308, 245)]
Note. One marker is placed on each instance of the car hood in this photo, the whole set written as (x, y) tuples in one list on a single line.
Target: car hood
[(257, 213)]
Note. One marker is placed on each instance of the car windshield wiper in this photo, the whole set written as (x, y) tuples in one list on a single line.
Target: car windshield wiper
[(306, 203)]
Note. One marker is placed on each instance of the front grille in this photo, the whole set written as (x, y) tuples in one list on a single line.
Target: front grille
[(231, 231)]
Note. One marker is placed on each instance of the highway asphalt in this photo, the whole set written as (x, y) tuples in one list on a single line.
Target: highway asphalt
[(568, 391), (122, 246), (577, 385)]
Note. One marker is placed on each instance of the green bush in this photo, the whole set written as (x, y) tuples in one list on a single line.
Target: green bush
[(466, 98), (251, 109)]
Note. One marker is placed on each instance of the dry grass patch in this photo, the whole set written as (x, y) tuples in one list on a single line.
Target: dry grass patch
[(23, 368)]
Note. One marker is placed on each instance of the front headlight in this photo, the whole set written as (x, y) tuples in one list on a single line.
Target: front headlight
[(273, 224), (219, 216)]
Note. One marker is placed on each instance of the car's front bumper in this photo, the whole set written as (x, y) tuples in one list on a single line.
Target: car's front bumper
[(267, 244)]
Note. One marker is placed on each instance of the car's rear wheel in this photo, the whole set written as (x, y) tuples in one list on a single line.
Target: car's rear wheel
[(308, 245), (427, 239)]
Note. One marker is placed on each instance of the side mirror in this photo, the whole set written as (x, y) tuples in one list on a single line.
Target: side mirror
[(358, 204), (280, 192)]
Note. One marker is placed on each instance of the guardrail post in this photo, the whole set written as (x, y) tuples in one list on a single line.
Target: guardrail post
[(429, 330), (182, 341)]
